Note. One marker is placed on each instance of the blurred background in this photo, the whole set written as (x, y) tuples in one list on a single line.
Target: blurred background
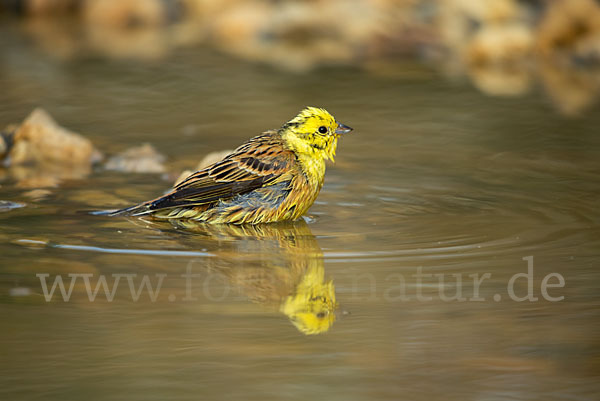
[(503, 47), (475, 145)]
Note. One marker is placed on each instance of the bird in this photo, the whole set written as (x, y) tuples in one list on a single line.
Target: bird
[(273, 177)]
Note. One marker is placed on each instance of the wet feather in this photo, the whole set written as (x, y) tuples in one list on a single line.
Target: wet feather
[(272, 177)]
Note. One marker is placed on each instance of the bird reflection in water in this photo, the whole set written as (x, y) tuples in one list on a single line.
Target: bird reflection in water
[(278, 265)]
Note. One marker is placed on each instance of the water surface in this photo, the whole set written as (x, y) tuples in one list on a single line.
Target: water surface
[(437, 179)]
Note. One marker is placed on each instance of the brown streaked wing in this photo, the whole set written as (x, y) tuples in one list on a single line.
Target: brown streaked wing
[(256, 163)]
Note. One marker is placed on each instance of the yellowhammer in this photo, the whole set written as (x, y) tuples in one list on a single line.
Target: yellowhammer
[(273, 177)]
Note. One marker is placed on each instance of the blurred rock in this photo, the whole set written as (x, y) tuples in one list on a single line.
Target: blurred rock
[(497, 44), (501, 80), (489, 40), (500, 44), (568, 54), (40, 140), (37, 194), (124, 14), (459, 20), (126, 28), (571, 90), (498, 59), (279, 34), (139, 159), (570, 30), (40, 153)]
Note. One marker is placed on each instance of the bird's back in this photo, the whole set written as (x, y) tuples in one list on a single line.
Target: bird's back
[(261, 181)]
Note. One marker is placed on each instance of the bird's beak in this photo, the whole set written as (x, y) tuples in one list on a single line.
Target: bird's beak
[(342, 129)]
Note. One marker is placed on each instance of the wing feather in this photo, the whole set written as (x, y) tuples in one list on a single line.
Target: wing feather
[(259, 162)]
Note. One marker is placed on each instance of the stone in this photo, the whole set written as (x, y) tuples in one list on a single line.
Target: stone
[(140, 159), (40, 140)]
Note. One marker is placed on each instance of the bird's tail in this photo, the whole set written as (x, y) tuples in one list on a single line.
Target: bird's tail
[(137, 210)]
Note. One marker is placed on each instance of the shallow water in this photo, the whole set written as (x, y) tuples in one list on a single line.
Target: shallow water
[(436, 179)]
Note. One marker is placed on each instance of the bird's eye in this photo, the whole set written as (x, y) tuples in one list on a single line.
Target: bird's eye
[(323, 129)]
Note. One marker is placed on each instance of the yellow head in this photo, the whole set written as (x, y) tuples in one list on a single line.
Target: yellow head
[(314, 133)]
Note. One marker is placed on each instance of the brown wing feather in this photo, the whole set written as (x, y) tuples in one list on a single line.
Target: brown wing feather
[(258, 162)]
